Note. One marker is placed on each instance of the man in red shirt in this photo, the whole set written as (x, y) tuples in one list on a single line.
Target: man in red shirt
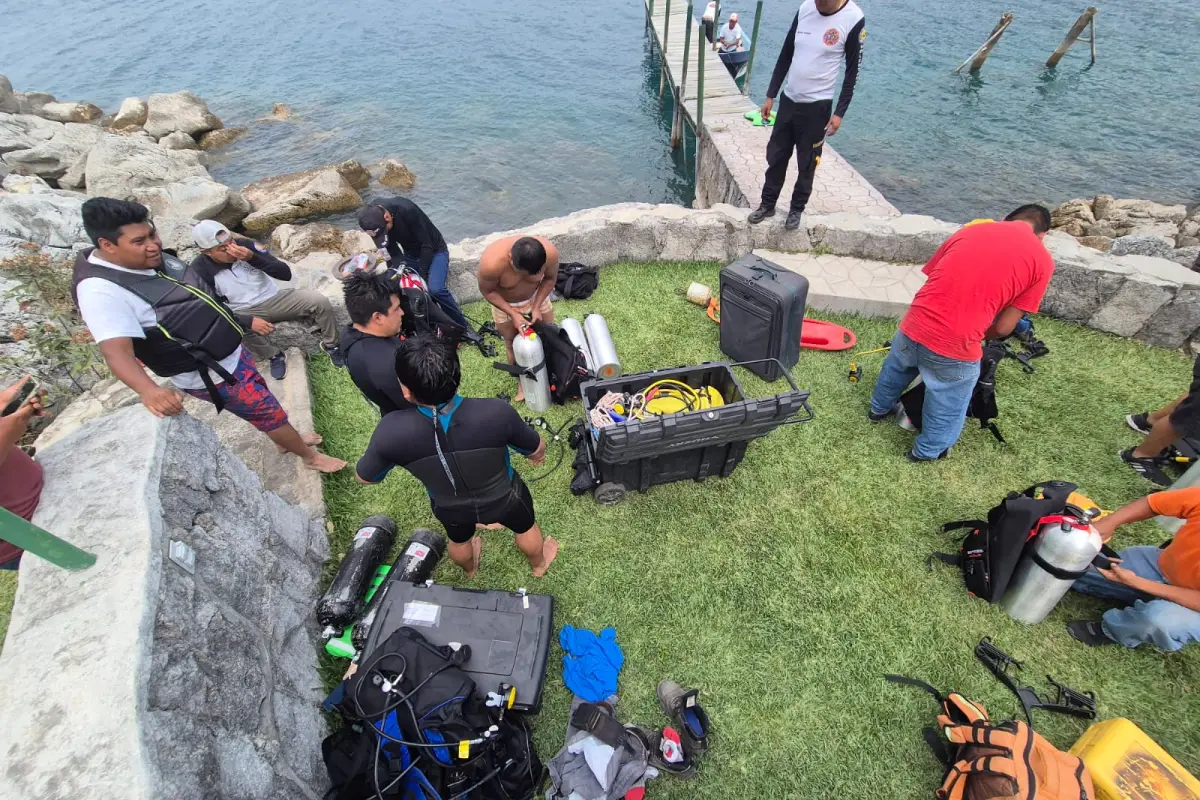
[(1158, 589), (980, 283), (20, 475)]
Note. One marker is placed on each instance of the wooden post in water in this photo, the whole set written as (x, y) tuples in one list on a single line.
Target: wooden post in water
[(716, 25), (753, 44), (650, 22), (1087, 18), (677, 121), (699, 101), (662, 72), (976, 61)]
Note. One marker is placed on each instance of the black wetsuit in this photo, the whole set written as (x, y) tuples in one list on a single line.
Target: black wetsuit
[(371, 361), (463, 462)]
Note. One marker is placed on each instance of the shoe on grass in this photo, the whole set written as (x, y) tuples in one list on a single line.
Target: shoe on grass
[(873, 417), (793, 221), (1148, 468), (1090, 633), (760, 213), (666, 752), (912, 456), (1139, 422), (278, 366), (335, 355), (683, 708)]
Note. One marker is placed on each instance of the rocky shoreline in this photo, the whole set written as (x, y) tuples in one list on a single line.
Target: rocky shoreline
[(54, 155), (1133, 228)]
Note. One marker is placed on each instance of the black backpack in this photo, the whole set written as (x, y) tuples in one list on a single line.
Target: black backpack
[(422, 314), (407, 699), (983, 398), (576, 281), (565, 362), (989, 553)]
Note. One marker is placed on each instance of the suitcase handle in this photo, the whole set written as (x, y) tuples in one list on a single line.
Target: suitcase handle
[(773, 274), (791, 382)]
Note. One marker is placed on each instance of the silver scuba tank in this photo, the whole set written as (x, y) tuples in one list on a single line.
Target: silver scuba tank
[(1059, 555), (528, 352), (600, 344), (575, 334)]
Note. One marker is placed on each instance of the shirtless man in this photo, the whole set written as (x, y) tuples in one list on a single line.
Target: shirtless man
[(516, 275)]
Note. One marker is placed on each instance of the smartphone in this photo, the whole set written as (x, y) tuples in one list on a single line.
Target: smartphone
[(27, 390)]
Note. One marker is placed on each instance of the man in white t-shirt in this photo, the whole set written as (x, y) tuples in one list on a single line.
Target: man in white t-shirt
[(244, 274), (823, 33), (731, 35), (142, 305)]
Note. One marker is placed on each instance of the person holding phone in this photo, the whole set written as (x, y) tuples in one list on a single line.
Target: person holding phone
[(20, 476), (1156, 590)]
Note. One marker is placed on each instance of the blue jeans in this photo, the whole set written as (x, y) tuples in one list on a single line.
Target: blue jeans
[(949, 384), (439, 270), (1145, 619)]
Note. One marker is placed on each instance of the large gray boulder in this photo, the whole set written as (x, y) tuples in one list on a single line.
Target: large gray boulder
[(179, 111), (118, 164), (33, 102), (52, 220), (194, 197), (51, 159), (1137, 245), (8, 100), (24, 131), (131, 114), (71, 112), (286, 198), (169, 682), (293, 242), (178, 140)]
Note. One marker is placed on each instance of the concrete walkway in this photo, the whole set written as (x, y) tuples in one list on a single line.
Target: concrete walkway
[(855, 285), (739, 150)]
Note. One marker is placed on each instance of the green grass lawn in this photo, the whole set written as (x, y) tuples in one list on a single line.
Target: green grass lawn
[(786, 591)]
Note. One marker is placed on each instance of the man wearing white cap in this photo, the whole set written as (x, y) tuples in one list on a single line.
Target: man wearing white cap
[(731, 35), (242, 271)]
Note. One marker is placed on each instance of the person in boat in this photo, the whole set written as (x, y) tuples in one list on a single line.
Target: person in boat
[(731, 37)]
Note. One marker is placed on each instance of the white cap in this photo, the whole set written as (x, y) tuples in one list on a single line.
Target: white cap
[(733, 17), (209, 233)]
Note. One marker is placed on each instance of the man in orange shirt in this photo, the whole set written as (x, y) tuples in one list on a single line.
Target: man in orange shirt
[(1160, 588)]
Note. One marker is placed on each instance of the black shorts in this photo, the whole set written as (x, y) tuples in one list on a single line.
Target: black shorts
[(515, 512), (1185, 419)]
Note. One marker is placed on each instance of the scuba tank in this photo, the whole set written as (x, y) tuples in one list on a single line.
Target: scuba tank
[(530, 356), (575, 334), (605, 363), (415, 564), (342, 646), (1059, 554), (340, 604)]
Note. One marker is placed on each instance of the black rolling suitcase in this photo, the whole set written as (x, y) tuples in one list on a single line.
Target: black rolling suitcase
[(762, 313)]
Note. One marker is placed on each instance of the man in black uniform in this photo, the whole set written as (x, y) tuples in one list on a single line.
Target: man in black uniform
[(459, 449), (822, 32), (405, 235), (369, 342)]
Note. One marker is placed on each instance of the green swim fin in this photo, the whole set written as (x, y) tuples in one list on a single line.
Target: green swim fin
[(755, 117)]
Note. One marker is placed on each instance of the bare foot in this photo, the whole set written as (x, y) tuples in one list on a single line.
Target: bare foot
[(476, 554), (549, 551), (495, 526), (519, 397), (310, 439), (323, 463)]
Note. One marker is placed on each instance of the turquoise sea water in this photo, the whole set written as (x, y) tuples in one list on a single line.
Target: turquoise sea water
[(509, 113)]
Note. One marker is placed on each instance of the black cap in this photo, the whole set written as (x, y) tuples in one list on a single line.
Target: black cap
[(371, 220)]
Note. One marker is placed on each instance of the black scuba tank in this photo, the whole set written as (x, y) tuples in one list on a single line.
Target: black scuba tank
[(341, 603), (416, 564)]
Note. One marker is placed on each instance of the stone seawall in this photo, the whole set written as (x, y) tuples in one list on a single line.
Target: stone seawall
[(137, 678)]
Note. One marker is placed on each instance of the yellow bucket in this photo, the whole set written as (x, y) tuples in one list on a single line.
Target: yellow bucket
[(1126, 764)]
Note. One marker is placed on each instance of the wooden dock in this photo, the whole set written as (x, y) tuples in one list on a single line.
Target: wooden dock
[(731, 154)]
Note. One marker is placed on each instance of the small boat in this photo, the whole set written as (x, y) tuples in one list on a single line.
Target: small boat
[(735, 60)]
